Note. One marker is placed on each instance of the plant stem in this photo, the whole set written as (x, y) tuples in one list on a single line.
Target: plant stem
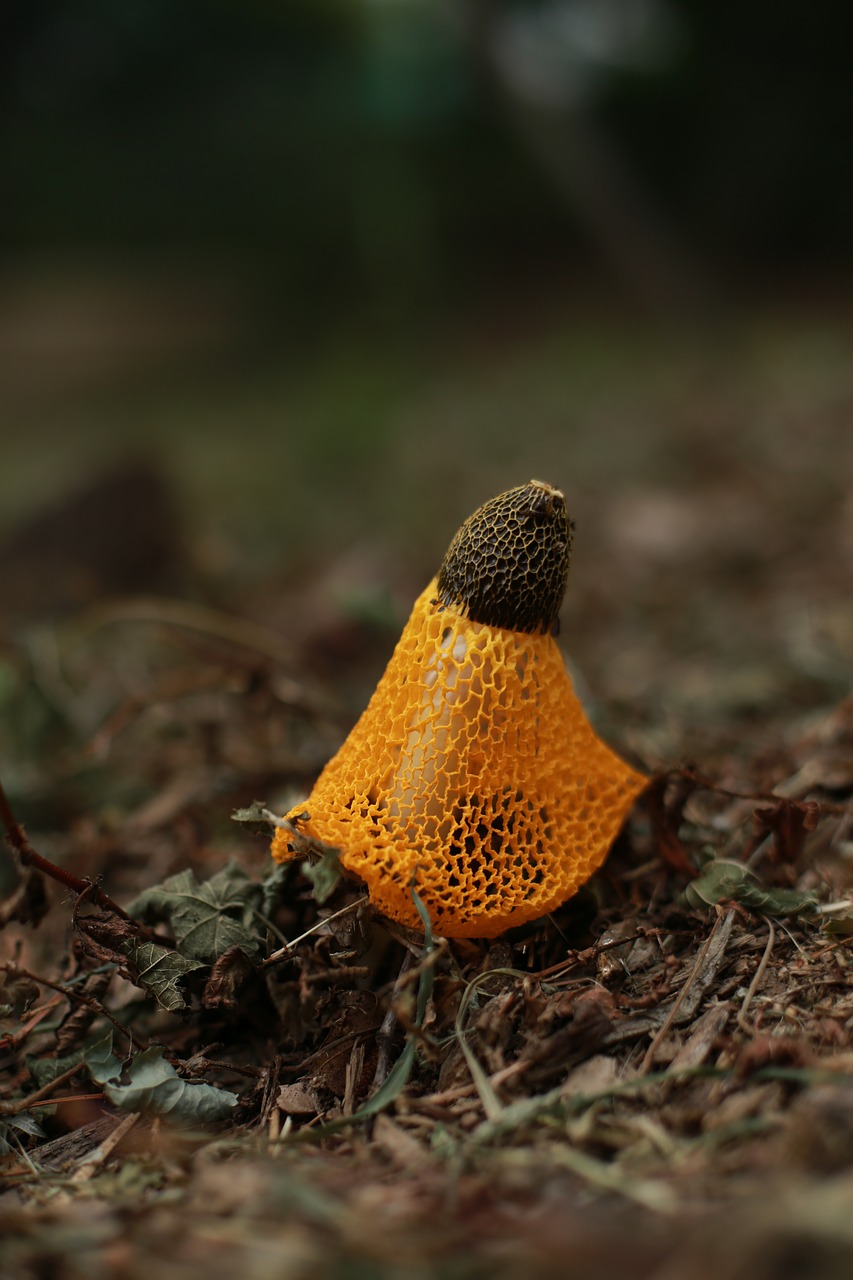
[(17, 837)]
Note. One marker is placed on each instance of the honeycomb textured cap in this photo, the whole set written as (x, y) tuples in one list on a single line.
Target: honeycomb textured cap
[(474, 774), (509, 563)]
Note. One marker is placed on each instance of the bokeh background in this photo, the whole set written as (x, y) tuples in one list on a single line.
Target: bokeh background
[(287, 289)]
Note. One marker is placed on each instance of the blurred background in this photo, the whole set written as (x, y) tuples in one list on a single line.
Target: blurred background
[(286, 290)]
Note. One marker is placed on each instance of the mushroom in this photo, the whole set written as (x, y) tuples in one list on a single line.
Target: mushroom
[(474, 774)]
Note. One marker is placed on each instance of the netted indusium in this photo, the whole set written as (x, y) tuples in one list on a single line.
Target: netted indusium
[(474, 773)]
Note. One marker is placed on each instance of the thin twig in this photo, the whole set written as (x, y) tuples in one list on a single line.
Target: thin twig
[(682, 996), (212, 1064), (13, 968), (274, 1131), (588, 953), (36, 1098), (328, 1050), (72, 1097), (352, 1078), (592, 953), (13, 1039), (820, 807), (17, 838), (91, 1163), (284, 952), (756, 981), (273, 928)]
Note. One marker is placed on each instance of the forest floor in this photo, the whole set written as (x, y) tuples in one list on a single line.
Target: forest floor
[(212, 1066)]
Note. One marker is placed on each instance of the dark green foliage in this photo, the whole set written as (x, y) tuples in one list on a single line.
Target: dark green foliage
[(207, 917), (160, 971), (724, 879), (151, 1086)]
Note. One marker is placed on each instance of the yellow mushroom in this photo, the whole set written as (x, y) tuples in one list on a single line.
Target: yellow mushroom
[(473, 772)]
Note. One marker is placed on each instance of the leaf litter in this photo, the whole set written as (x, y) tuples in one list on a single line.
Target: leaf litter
[(211, 1063)]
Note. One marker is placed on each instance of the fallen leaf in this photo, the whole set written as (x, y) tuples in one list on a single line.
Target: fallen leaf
[(160, 971), (229, 976), (151, 1086), (723, 879), (207, 917), (298, 1100)]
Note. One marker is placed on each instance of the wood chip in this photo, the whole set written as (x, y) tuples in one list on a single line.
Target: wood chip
[(700, 1042)]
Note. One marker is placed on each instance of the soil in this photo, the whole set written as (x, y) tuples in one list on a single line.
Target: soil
[(213, 1066)]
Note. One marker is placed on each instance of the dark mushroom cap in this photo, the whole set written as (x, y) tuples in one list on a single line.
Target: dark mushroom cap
[(508, 565)]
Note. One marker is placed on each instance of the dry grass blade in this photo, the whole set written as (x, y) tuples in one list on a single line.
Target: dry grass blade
[(756, 981), (700, 976), (492, 1104), (287, 950)]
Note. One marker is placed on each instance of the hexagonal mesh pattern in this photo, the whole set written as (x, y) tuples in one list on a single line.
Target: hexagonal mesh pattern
[(474, 770), (509, 562)]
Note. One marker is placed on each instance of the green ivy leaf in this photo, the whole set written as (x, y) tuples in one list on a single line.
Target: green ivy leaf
[(207, 917), (151, 1086), (256, 813), (101, 1062), (324, 873), (43, 1070), (273, 886), (160, 971), (155, 1088), (722, 878)]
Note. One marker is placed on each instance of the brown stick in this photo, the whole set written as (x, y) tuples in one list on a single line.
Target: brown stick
[(70, 994), (17, 837), (73, 1097), (38, 1096)]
